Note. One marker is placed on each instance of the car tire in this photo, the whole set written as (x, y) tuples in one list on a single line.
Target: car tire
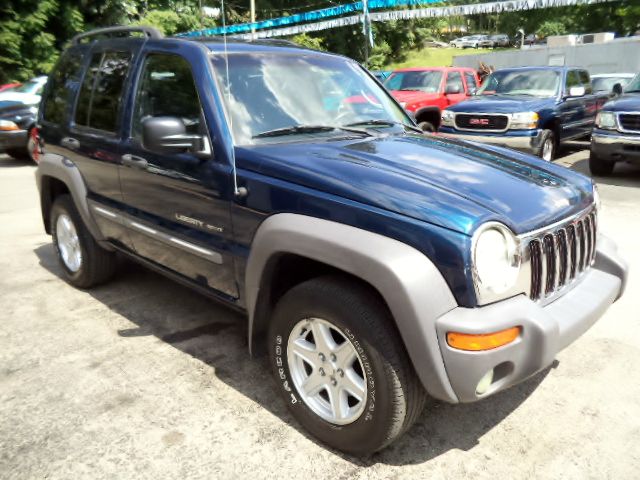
[(427, 127), (354, 320), (600, 167), (85, 263), (26, 152), (548, 146)]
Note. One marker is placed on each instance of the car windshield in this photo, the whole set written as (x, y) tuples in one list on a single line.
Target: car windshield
[(535, 83), (605, 84), (634, 85), (275, 96), (29, 87), (424, 81)]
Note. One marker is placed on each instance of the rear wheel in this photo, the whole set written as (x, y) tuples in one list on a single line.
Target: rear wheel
[(84, 262), (600, 167), (341, 367)]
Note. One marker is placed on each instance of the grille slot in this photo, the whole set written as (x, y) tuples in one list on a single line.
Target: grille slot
[(560, 255), (629, 121), (468, 121)]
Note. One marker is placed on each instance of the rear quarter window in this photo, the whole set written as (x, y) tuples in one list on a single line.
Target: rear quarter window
[(62, 83)]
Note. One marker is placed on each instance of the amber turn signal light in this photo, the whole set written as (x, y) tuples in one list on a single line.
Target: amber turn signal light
[(482, 341)]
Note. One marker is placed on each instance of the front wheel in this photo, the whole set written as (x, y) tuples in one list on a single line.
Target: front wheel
[(599, 167), (548, 146), (341, 367), (427, 127)]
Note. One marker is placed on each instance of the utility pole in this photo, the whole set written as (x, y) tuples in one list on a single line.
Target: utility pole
[(253, 18)]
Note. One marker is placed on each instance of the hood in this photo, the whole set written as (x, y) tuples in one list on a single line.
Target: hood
[(503, 104), (456, 185), (25, 98), (413, 96), (629, 102)]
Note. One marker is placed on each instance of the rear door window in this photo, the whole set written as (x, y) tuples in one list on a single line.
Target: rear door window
[(586, 81), (454, 79), (101, 93)]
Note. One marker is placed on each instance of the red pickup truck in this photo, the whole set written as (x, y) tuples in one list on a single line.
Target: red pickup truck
[(425, 92)]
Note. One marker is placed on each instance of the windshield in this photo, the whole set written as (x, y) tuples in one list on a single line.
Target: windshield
[(424, 81), (271, 91), (634, 85), (536, 83), (32, 87), (605, 84)]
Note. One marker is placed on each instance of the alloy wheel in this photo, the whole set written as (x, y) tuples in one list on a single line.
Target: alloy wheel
[(68, 243)]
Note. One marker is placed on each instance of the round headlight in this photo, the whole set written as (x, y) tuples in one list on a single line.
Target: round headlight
[(496, 259)]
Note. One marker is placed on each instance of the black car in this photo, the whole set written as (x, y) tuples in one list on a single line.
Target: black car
[(17, 122)]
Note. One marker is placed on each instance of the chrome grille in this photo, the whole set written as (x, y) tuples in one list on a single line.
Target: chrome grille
[(630, 122), (558, 256)]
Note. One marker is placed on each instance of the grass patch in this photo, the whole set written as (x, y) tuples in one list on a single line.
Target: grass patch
[(433, 57)]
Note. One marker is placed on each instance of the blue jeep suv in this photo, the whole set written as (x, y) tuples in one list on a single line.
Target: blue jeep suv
[(375, 264)]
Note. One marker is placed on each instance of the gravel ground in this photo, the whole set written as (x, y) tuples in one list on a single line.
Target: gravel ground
[(142, 378)]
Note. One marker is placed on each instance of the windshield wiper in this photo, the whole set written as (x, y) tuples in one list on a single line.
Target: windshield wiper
[(383, 123), (296, 129)]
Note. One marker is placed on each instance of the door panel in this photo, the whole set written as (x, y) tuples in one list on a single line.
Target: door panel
[(177, 202), (455, 79)]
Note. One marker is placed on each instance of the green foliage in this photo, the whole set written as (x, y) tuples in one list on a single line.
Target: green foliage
[(308, 41), (552, 27)]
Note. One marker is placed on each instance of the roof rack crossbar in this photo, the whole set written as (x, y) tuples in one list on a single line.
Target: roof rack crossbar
[(149, 32)]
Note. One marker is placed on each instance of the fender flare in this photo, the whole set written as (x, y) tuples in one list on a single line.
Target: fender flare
[(407, 280), (64, 170)]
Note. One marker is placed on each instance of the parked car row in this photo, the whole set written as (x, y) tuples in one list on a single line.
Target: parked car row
[(533, 109), (482, 41)]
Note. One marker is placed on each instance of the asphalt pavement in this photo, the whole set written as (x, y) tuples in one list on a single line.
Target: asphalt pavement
[(142, 378)]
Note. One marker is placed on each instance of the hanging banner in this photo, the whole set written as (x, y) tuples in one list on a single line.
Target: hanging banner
[(458, 10), (311, 16)]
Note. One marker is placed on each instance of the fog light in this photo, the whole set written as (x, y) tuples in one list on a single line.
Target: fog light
[(485, 383)]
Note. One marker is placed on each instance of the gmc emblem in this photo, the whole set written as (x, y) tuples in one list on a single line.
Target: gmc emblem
[(479, 121)]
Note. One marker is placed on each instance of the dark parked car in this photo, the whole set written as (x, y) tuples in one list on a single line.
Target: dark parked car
[(616, 137), (375, 264), (605, 82), (532, 108), (17, 132)]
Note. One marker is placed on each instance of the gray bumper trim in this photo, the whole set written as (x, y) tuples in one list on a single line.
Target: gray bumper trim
[(545, 330), (518, 143), (615, 139)]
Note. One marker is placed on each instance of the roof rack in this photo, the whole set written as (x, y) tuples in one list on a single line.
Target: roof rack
[(149, 32)]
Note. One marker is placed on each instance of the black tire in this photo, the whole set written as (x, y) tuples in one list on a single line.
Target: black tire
[(97, 265), (600, 167), (395, 397), (24, 153), (427, 127), (548, 136)]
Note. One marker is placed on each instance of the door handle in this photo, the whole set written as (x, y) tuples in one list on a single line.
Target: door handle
[(134, 161), (71, 143)]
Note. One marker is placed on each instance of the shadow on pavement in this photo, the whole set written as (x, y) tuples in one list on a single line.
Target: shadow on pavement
[(216, 335), (9, 162), (624, 174)]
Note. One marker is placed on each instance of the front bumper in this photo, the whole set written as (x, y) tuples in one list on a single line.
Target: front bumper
[(545, 329), (614, 146), (525, 140), (12, 139)]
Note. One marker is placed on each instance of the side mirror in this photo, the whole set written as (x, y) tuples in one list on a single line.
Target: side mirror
[(577, 92), (617, 89), (169, 135), (452, 89)]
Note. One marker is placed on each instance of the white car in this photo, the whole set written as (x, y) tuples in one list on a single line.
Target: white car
[(28, 93), (474, 41), (457, 43)]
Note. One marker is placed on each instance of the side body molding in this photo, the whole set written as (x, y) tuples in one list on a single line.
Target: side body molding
[(409, 282), (63, 169)]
